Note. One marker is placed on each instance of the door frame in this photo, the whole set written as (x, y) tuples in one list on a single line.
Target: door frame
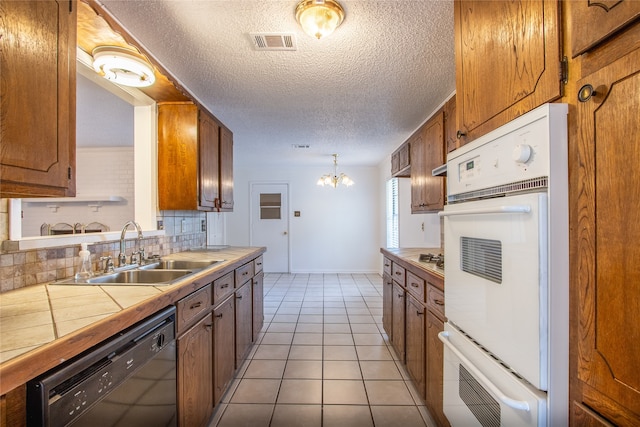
[(285, 210)]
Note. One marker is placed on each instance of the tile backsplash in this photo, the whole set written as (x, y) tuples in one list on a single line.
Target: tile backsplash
[(31, 267)]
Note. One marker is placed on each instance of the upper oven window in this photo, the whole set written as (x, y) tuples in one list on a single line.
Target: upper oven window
[(482, 257)]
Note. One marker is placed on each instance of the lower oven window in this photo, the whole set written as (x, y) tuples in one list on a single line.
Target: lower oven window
[(484, 407), (482, 257)]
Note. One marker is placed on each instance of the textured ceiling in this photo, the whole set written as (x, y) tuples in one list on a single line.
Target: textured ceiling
[(359, 92)]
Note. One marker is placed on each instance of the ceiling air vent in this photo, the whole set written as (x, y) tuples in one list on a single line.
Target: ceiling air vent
[(273, 41)]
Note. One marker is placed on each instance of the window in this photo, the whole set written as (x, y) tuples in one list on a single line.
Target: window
[(392, 213), (270, 204)]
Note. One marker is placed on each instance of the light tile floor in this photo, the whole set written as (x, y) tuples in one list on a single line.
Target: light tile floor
[(322, 359)]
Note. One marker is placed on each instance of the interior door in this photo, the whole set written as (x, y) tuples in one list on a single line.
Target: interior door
[(270, 224)]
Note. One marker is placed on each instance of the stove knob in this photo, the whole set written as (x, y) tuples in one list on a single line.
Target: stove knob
[(522, 153)]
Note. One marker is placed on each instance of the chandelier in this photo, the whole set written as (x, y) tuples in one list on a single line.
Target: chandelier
[(319, 18), (334, 179)]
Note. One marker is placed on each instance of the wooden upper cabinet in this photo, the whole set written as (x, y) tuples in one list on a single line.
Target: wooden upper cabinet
[(195, 172), (209, 154), (427, 153), (508, 61), (450, 125), (593, 22), (225, 203), (401, 161), (605, 299), (38, 86)]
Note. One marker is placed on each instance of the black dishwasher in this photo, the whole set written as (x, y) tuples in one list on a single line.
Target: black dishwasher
[(127, 380)]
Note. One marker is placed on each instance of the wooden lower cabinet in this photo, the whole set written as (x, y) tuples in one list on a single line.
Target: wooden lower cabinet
[(434, 363), (195, 391), (398, 316), (258, 304), (223, 347), (387, 307), (244, 323), (415, 342)]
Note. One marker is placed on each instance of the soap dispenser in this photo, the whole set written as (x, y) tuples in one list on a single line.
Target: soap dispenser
[(84, 268)]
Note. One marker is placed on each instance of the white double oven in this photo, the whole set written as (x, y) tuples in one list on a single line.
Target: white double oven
[(506, 275)]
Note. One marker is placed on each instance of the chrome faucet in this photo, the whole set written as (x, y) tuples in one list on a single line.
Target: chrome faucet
[(122, 258)]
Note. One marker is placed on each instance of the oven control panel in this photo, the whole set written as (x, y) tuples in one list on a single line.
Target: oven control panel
[(521, 150)]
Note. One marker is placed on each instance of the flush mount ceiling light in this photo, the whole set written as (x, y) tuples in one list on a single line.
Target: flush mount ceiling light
[(123, 66), (319, 18), (335, 179)]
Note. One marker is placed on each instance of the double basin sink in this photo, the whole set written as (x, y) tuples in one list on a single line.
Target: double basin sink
[(162, 272)]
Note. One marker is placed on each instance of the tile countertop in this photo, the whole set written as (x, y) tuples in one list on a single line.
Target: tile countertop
[(42, 326), (412, 256)]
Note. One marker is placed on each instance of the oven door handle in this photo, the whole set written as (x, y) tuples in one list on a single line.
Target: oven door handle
[(496, 210), (513, 403)]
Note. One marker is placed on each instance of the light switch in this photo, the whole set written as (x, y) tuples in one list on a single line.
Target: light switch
[(296, 213)]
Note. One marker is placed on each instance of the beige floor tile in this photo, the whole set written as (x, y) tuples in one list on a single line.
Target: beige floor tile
[(335, 311), (285, 318), (346, 416), (337, 328), (281, 327), (344, 392), (340, 352), (277, 338), (272, 352), (294, 391), (373, 352), (338, 339), (303, 369), (311, 310), (380, 370), (388, 393), (361, 319), (288, 310), (303, 338), (256, 391), (315, 328), (265, 369), (310, 318), (393, 416), (336, 318), (250, 415), (305, 352), (368, 339), (364, 328), (297, 416), (341, 370)]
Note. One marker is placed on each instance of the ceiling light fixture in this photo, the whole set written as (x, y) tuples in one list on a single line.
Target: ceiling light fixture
[(335, 179), (319, 18), (123, 66)]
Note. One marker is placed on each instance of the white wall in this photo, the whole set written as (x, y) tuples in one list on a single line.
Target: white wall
[(338, 229)]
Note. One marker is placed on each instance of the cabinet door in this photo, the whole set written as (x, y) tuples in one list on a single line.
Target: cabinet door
[(208, 153), (450, 125), (415, 342), (177, 156), (435, 361), (38, 86), (508, 61), (427, 191), (592, 22), (258, 304), (387, 304), (398, 318), (195, 394), (606, 279), (226, 170), (223, 347), (244, 324)]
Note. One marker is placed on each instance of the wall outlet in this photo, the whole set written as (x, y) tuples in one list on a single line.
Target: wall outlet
[(183, 226)]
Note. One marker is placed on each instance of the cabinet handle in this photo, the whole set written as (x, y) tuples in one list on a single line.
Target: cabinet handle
[(415, 285), (219, 316), (208, 325), (239, 297), (245, 273), (400, 295), (195, 305), (586, 92), (438, 301), (226, 285), (398, 273), (419, 313), (460, 134)]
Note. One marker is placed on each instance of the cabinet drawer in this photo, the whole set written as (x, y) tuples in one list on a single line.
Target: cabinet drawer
[(435, 300), (257, 265), (415, 285), (398, 274), (386, 266), (192, 307), (223, 287), (244, 273)]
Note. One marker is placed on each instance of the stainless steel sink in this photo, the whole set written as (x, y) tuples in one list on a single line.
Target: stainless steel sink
[(176, 264), (141, 277)]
